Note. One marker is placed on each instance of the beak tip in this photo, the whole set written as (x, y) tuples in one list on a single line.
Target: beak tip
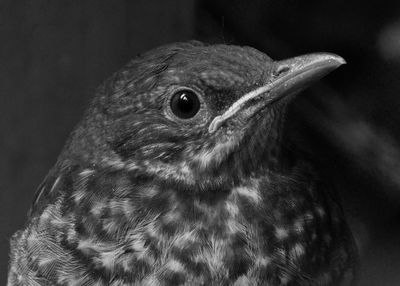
[(339, 60), (335, 59), (323, 62)]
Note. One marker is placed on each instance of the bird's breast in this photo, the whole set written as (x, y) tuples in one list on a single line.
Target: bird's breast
[(249, 233), (112, 228)]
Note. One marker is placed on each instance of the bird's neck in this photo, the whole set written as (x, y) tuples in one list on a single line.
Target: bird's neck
[(125, 227)]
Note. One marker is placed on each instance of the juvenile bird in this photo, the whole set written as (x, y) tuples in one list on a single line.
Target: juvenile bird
[(176, 176)]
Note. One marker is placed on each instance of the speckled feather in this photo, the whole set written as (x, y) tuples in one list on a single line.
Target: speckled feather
[(139, 197)]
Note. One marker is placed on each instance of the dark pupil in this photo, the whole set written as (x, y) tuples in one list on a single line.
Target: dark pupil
[(185, 104)]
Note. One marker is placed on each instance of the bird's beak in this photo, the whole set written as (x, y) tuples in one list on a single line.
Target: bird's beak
[(288, 77)]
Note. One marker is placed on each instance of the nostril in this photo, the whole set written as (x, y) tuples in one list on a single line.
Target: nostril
[(281, 70)]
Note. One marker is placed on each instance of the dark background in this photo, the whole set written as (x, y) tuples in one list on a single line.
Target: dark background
[(54, 53)]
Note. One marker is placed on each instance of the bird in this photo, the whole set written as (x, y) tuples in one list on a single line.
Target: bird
[(176, 175)]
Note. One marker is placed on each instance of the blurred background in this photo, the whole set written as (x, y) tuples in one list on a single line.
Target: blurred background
[(54, 53)]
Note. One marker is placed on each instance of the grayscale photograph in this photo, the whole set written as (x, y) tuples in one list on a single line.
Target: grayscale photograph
[(199, 143)]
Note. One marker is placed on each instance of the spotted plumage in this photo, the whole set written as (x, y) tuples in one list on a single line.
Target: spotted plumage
[(176, 177)]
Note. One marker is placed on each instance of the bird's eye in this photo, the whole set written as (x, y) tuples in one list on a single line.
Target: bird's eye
[(185, 104)]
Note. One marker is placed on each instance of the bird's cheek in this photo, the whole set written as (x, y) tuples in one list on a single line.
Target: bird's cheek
[(211, 156)]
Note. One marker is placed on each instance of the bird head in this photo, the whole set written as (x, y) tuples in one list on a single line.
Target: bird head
[(198, 114)]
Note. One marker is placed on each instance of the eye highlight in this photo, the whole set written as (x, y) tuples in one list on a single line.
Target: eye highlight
[(185, 104)]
